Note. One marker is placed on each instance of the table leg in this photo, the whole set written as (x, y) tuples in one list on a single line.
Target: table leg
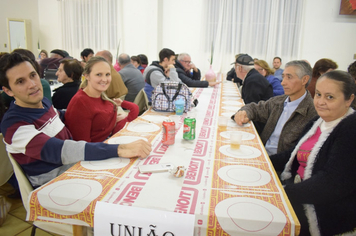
[(79, 230)]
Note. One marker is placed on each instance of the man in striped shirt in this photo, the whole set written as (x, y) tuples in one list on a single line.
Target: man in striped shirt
[(34, 132)]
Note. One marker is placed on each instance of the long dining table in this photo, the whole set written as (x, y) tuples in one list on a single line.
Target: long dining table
[(230, 192)]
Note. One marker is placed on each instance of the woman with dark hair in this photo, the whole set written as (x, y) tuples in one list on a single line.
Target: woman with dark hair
[(263, 68), (136, 61), (320, 67), (43, 54), (69, 74), (319, 172)]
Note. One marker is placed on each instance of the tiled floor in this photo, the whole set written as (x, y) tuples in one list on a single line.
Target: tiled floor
[(15, 223)]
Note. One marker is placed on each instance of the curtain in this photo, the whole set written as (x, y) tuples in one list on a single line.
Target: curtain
[(90, 24), (261, 28)]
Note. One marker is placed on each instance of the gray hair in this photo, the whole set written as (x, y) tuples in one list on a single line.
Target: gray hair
[(124, 59), (247, 68), (182, 55), (303, 68)]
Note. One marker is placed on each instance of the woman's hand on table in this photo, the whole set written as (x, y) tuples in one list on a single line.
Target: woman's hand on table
[(241, 118), (212, 84), (139, 148)]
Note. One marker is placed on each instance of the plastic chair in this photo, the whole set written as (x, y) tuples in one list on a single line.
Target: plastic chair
[(141, 101), (25, 190), (6, 169)]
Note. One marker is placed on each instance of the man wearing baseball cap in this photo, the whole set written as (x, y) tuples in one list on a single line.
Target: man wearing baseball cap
[(255, 87)]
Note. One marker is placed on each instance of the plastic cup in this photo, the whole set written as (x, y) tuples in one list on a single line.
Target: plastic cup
[(179, 105), (222, 123), (235, 140)]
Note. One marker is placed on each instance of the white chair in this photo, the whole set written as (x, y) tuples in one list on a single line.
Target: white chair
[(25, 190), (141, 101), (6, 169)]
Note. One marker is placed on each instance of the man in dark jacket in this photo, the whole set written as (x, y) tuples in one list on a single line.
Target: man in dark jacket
[(184, 66), (255, 87)]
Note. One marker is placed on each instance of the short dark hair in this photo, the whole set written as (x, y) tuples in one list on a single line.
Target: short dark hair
[(347, 82), (165, 53), (86, 52), (29, 54), (143, 58), (352, 69), (72, 68), (322, 66), (137, 59), (280, 59), (9, 61)]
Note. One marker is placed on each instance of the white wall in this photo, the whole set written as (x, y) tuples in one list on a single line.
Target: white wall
[(151, 25), (326, 34), (19, 9)]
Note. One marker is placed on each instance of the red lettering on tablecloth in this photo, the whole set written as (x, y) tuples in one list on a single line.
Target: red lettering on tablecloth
[(160, 148), (150, 160), (187, 201), (194, 172), (129, 194), (204, 132), (208, 121), (209, 113), (200, 148)]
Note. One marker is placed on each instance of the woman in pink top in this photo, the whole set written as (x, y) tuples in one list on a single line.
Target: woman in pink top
[(91, 116), (319, 173)]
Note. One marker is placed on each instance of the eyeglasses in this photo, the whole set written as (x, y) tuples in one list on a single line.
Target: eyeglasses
[(187, 62)]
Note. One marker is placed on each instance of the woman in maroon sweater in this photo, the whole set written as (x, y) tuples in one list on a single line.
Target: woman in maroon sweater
[(91, 116)]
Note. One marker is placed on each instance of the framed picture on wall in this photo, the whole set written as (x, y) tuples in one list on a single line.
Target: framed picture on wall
[(348, 7)]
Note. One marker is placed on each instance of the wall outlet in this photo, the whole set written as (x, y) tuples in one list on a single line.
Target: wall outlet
[(5, 46), (355, 56)]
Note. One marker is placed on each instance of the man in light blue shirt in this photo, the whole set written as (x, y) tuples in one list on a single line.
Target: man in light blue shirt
[(277, 62), (286, 115)]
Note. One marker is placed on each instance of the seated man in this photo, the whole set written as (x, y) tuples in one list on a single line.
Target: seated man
[(117, 88), (255, 87), (53, 61), (131, 76), (277, 62), (161, 71), (85, 55), (183, 66), (35, 134), (286, 115), (231, 75)]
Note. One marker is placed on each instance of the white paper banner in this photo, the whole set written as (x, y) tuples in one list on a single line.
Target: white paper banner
[(116, 220)]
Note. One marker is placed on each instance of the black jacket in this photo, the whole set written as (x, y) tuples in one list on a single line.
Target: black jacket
[(256, 88), (188, 79), (64, 94)]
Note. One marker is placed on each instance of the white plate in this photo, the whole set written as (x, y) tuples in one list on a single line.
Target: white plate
[(153, 118), (142, 127), (228, 114), (111, 163), (244, 152), (232, 123), (244, 175), (249, 216), (124, 139), (245, 135), (69, 197), (233, 103), (230, 93), (230, 108)]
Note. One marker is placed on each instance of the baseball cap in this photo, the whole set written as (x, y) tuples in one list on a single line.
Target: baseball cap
[(60, 52), (244, 59)]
